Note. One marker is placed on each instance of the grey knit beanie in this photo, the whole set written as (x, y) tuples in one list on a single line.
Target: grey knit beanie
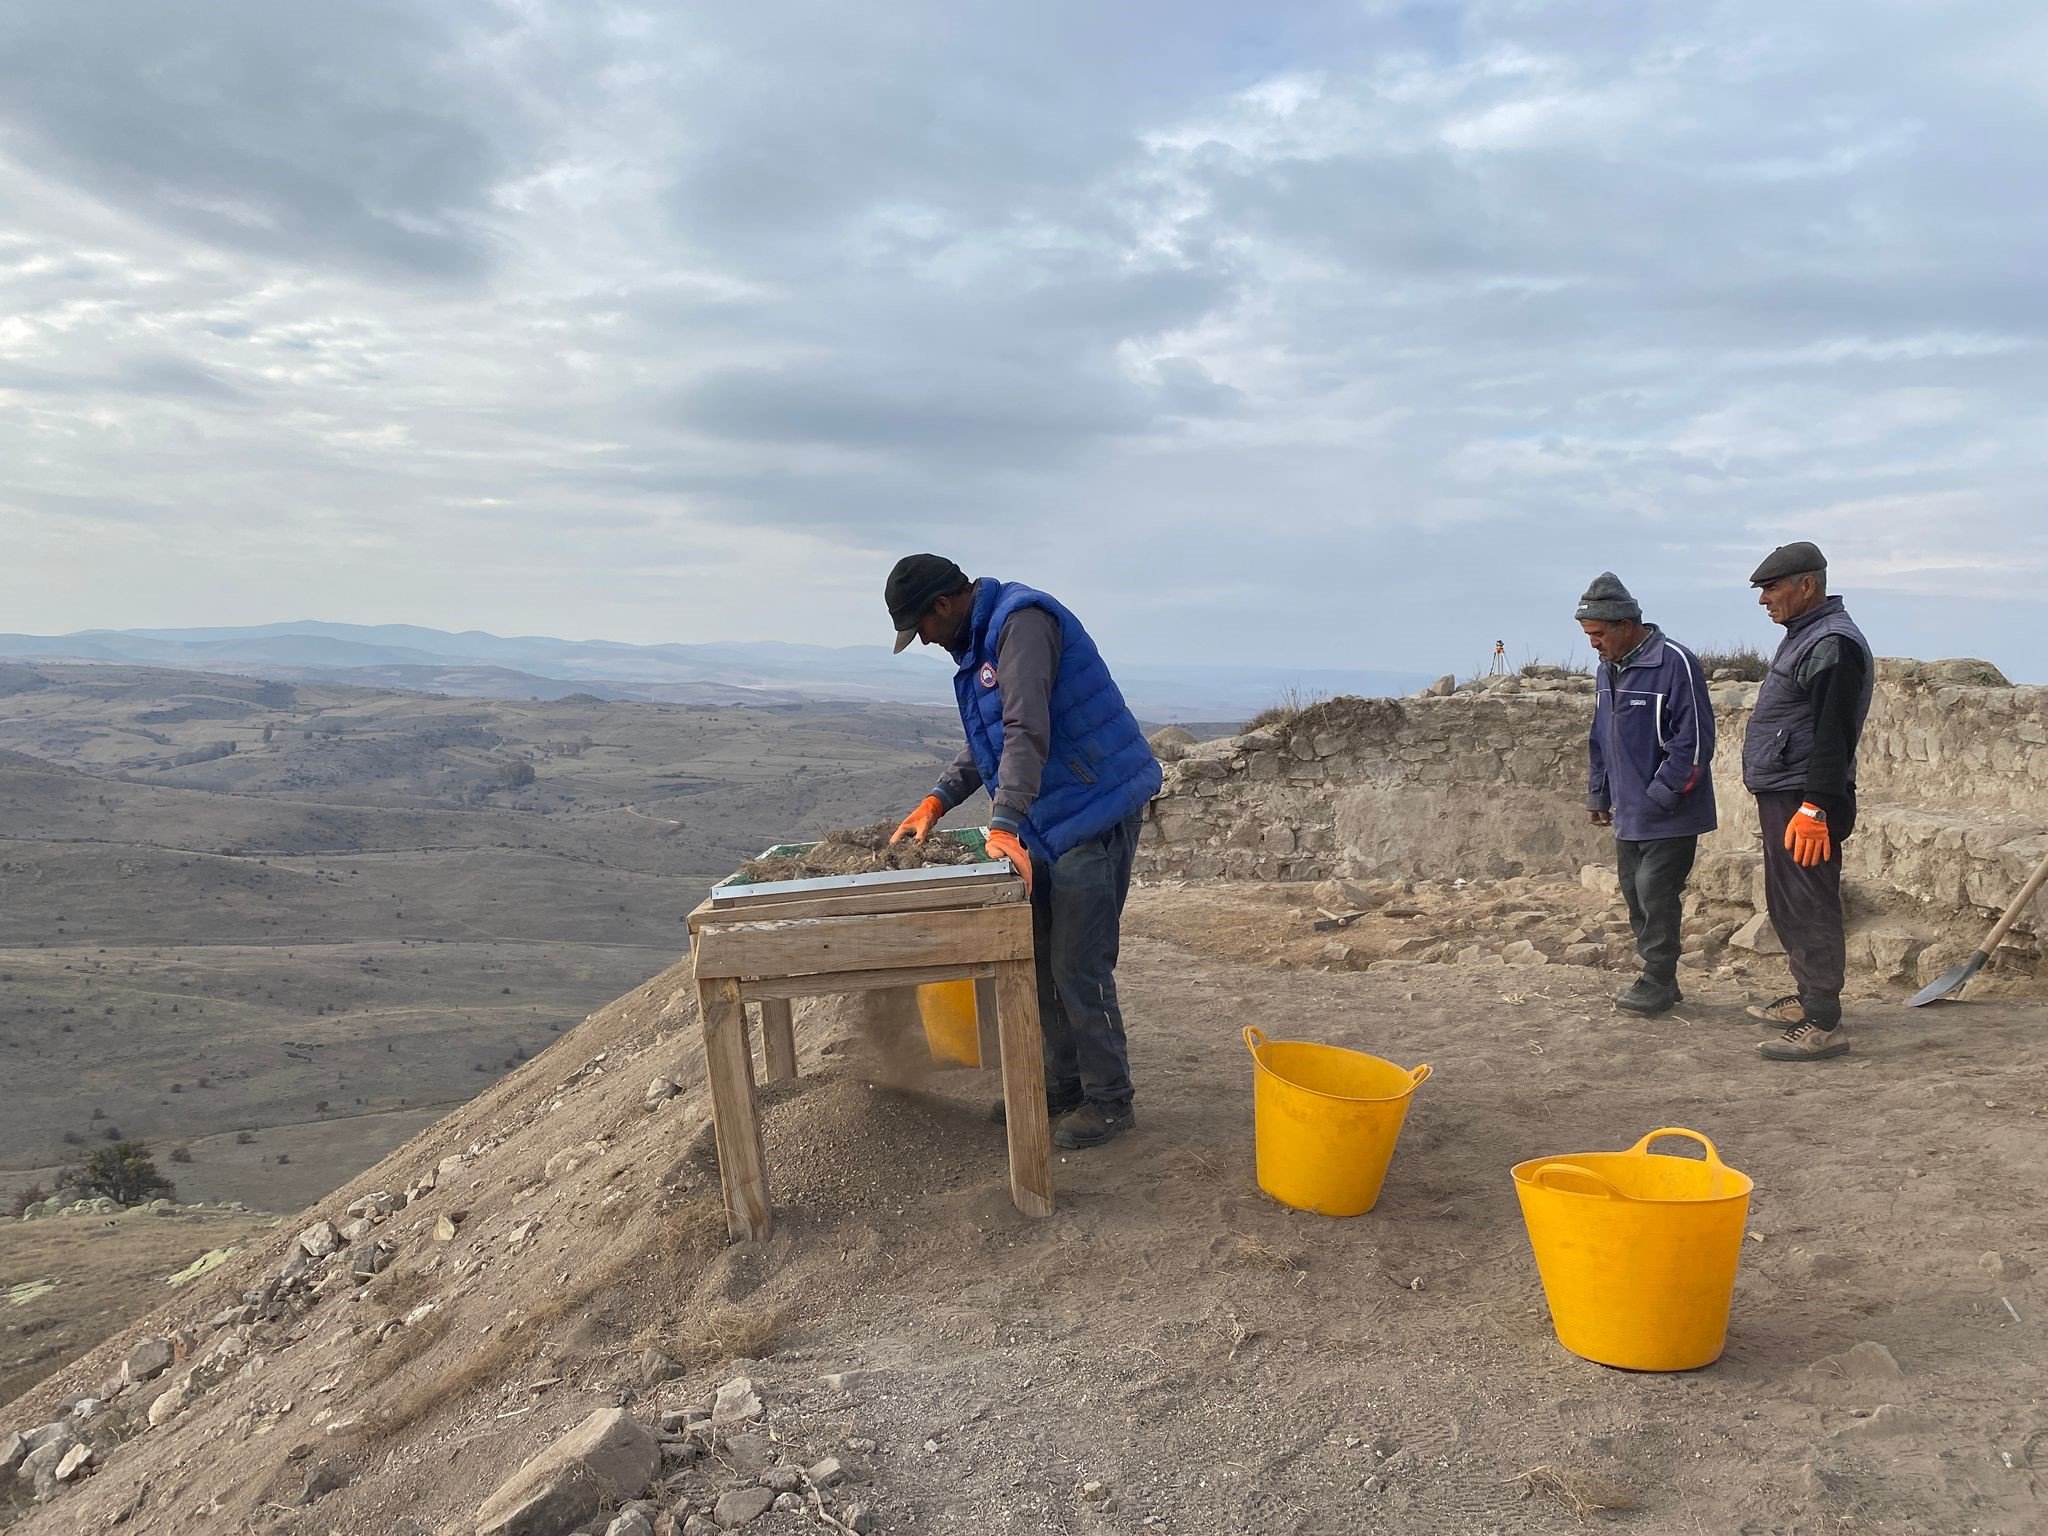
[(1607, 598)]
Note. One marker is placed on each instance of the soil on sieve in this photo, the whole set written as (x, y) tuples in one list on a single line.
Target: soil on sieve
[(860, 851), (1172, 1350)]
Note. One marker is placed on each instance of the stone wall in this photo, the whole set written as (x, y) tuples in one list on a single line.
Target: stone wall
[(1489, 781)]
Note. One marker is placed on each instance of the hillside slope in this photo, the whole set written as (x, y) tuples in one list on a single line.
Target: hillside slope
[(1171, 1350)]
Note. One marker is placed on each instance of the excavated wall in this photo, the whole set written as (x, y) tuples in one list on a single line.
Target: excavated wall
[(1489, 781)]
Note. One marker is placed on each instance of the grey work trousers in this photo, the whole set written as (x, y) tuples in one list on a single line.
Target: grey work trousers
[(1077, 908), (1653, 873), (1806, 909)]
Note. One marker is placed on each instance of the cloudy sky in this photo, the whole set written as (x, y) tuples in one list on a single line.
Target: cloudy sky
[(1337, 335)]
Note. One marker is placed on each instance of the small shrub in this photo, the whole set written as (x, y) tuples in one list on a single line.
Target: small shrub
[(726, 1333), (1292, 702), (1747, 663), (244, 1138), (181, 1154), (124, 1173), (26, 1196)]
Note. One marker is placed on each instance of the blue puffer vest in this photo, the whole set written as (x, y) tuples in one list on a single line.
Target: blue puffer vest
[(1780, 735), (1098, 767)]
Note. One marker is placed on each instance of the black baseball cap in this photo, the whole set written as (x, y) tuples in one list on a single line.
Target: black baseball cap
[(914, 585)]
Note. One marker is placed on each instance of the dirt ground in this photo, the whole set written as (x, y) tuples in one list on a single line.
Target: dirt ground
[(1213, 1361), (59, 1285)]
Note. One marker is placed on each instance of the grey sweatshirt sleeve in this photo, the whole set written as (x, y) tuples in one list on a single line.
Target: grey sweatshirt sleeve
[(961, 779), (1027, 660)]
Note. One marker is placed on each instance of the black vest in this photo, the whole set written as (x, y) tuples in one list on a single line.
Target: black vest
[(1780, 736)]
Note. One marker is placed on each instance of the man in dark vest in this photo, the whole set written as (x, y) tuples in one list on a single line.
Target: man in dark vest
[(1799, 760), (1650, 775), (1068, 773)]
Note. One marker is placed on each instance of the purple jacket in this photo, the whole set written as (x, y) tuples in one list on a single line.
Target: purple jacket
[(1651, 750)]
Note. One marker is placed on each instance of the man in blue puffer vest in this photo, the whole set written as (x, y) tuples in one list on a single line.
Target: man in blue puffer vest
[(1068, 773), (1650, 761)]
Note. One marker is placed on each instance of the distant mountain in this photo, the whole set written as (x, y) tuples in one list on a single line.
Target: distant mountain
[(478, 665)]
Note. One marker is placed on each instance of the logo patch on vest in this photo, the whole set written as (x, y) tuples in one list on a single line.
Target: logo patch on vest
[(988, 674)]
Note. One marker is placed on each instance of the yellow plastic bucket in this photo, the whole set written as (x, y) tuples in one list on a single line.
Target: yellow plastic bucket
[(1637, 1251), (1325, 1120), (952, 1028)]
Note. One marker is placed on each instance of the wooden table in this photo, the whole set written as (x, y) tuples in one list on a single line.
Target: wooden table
[(769, 948)]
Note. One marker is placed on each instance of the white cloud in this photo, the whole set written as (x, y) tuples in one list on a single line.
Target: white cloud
[(607, 321)]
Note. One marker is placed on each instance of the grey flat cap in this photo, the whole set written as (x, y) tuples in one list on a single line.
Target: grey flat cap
[(1789, 560), (1608, 599)]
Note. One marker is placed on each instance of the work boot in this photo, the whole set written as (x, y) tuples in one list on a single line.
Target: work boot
[(1787, 1010), (1806, 1042), (1648, 998), (1093, 1124), (1055, 1106)]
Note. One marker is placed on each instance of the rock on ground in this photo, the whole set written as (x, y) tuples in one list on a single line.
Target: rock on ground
[(736, 1402), (147, 1360), (609, 1455), (1758, 936), (741, 1506)]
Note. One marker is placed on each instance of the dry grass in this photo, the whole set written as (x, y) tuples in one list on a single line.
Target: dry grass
[(726, 1333), (693, 1228), (1291, 703), (1579, 1493), (408, 1406), (413, 1341), (1747, 662), (397, 1292), (1254, 1253)]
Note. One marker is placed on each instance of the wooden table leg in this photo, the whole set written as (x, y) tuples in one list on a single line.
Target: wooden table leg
[(730, 1066), (985, 1021), (778, 1039), (1024, 1087)]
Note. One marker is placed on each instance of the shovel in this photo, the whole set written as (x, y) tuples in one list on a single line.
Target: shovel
[(1956, 977)]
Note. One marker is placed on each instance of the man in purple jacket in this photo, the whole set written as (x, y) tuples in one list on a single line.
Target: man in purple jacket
[(1651, 775)]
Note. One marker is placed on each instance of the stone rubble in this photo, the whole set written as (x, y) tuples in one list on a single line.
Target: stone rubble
[(1487, 779)]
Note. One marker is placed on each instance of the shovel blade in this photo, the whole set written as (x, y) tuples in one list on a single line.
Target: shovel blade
[(1949, 982)]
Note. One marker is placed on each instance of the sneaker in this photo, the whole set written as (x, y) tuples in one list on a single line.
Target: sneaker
[(1055, 1106), (1805, 1042), (1787, 1010), (1093, 1124), (1644, 996)]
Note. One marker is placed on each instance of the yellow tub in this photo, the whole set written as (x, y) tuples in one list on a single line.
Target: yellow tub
[(952, 1029), (1637, 1251), (1326, 1121)]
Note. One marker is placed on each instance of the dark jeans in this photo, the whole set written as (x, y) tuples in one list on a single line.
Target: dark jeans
[(1653, 875), (1806, 907), (1077, 910)]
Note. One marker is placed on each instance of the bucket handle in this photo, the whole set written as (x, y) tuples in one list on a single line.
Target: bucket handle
[(1541, 1177), (1713, 1155), (1419, 1076), (1254, 1037)]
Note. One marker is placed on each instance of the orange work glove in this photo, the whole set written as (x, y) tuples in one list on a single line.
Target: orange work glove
[(1806, 836), (919, 823), (1004, 845)]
